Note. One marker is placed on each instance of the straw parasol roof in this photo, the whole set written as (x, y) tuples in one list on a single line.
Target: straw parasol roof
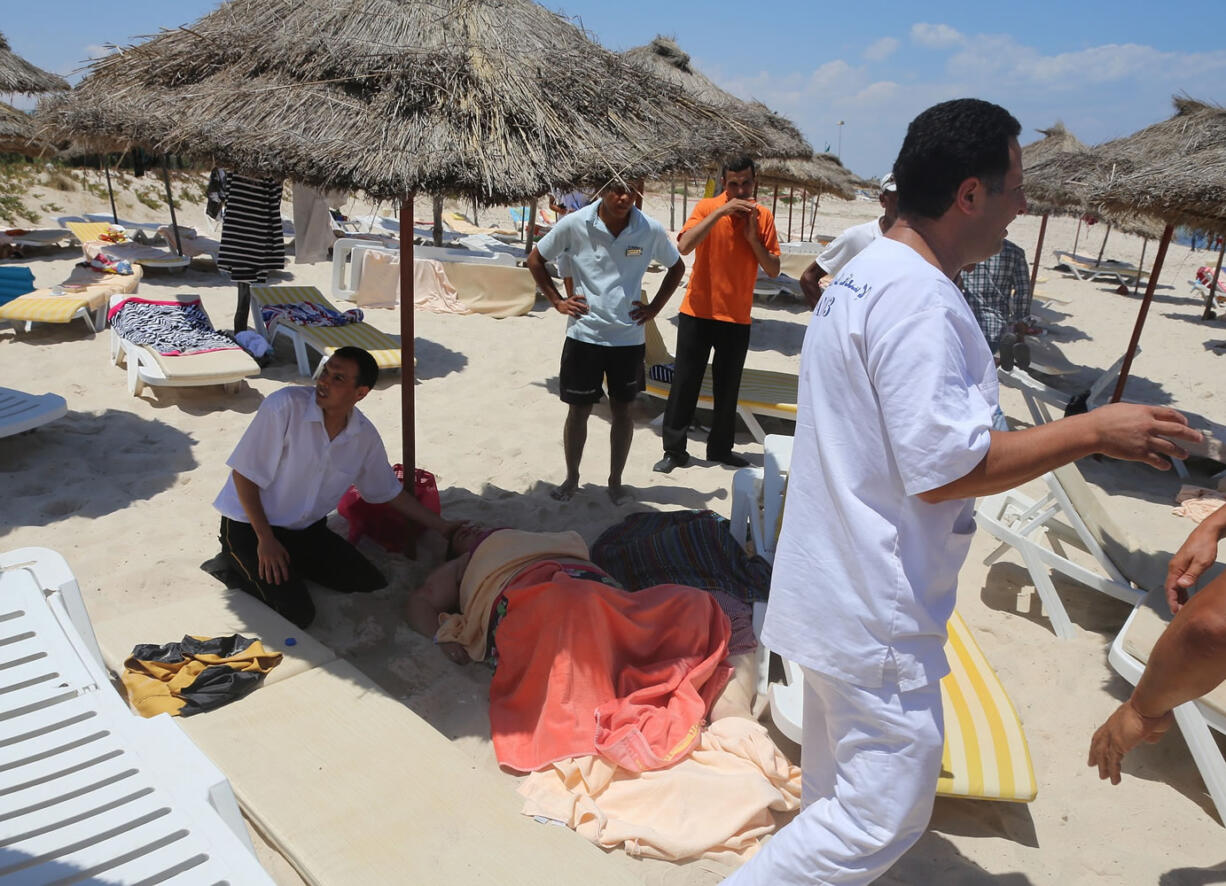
[(16, 130), (18, 75), (819, 174), (1058, 168), (498, 99), (1137, 173), (664, 58)]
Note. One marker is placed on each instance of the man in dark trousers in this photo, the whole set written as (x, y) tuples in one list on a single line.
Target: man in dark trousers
[(732, 237)]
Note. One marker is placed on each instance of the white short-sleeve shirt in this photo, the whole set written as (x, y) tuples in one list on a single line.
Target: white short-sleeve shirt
[(848, 245), (897, 392), (301, 473), (608, 271)]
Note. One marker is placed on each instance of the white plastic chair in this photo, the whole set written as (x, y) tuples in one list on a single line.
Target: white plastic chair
[(93, 792)]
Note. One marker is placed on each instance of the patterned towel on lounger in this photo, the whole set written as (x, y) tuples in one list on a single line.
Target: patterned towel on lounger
[(172, 328)]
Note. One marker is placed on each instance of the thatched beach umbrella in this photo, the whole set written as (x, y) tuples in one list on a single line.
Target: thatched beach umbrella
[(664, 58), (18, 75), (1174, 171), (817, 174), (1056, 140), (494, 99), (17, 131)]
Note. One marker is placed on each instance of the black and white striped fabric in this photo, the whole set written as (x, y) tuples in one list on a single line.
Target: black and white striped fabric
[(251, 240), (171, 329)]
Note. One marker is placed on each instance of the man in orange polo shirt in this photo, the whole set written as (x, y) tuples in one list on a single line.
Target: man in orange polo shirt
[(734, 236)]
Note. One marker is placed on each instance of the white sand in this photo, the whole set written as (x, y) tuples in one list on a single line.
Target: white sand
[(122, 486)]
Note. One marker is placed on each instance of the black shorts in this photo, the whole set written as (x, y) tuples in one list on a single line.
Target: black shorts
[(585, 366)]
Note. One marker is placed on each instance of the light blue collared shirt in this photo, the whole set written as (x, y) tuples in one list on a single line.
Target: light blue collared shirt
[(608, 270)]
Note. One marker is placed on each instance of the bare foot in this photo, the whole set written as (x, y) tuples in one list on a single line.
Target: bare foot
[(619, 494), (566, 491)]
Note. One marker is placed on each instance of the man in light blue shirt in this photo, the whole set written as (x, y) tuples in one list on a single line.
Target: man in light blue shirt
[(608, 246)]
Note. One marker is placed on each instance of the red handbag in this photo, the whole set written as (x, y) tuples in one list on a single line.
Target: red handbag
[(383, 523)]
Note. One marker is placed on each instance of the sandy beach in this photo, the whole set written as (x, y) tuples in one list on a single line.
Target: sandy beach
[(123, 486)]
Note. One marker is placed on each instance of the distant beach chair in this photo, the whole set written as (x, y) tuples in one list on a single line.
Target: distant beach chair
[(1129, 653), (92, 791), (986, 755), (84, 296), (38, 239), (148, 257), (762, 391), (1085, 268), (20, 412), (324, 340), (147, 365)]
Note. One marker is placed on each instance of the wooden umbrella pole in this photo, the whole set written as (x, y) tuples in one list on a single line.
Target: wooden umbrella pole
[(672, 204), (408, 418), (804, 200), (1213, 283), (775, 201), (1136, 284), (1077, 236), (817, 201), (170, 201), (1038, 251), (106, 166), (1103, 248), (1149, 297), (791, 203), (531, 226), (437, 232), (685, 198)]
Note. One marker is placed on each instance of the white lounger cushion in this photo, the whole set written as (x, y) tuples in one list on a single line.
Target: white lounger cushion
[(353, 787)]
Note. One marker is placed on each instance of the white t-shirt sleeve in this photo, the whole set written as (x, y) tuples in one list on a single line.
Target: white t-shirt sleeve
[(938, 423), (258, 453)]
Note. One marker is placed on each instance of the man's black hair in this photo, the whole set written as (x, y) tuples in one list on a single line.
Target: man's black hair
[(739, 163), (368, 369), (947, 144)]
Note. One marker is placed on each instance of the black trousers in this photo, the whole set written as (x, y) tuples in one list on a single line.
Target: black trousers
[(696, 338), (316, 553)]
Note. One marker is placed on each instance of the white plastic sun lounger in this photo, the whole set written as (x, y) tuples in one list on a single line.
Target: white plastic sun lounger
[(91, 792), (148, 367), (986, 755), (1131, 650), (21, 412)]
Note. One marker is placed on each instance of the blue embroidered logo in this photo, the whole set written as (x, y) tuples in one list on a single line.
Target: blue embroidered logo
[(846, 281)]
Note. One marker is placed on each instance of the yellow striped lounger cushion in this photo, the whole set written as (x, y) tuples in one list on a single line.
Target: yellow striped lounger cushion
[(327, 339), (986, 754), (762, 392)]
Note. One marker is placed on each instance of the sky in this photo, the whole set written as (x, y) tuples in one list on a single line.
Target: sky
[(850, 75)]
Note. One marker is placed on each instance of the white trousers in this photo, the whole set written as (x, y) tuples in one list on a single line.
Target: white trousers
[(870, 760)]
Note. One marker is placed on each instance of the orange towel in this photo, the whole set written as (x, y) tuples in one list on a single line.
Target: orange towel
[(588, 669)]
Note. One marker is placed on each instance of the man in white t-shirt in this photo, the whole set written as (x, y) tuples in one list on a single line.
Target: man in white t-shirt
[(893, 441), (850, 243)]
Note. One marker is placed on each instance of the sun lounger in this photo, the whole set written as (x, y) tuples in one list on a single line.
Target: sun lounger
[(92, 792), (148, 257), (1069, 515), (14, 281), (1085, 268), (461, 225), (350, 785), (84, 296), (148, 366), (1129, 653), (20, 412), (762, 391), (324, 340), (40, 239), (986, 755)]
